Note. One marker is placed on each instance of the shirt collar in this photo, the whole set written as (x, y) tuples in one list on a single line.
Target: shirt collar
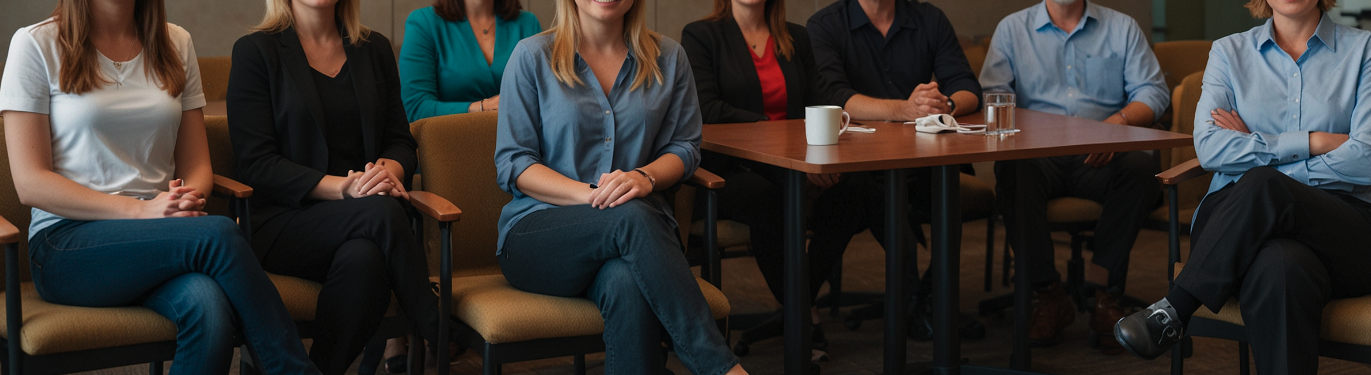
[(856, 17), (1326, 33), (1042, 20)]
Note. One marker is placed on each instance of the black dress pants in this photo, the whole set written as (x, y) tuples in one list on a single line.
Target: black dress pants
[(753, 197), (1125, 187), (361, 250), (1284, 249)]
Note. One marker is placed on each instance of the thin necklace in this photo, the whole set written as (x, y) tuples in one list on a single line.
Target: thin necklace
[(485, 30)]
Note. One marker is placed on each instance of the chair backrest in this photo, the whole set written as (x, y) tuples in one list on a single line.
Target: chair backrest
[(214, 76), (220, 158), (1184, 99), (1179, 59), (975, 55), (17, 213), (457, 159)]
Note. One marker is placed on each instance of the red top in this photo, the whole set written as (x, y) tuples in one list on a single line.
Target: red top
[(773, 82)]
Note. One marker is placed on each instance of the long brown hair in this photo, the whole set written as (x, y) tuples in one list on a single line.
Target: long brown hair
[(80, 71), (643, 43), (774, 11), (456, 10), (280, 17)]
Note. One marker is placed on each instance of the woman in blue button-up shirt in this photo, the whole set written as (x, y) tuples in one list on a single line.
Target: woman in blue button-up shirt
[(598, 114), (1283, 226)]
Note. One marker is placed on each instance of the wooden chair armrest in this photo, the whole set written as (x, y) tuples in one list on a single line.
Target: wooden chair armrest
[(435, 206), (1181, 172), (229, 187), (706, 179), (8, 233)]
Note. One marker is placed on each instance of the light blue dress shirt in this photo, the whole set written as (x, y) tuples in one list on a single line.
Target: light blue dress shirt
[(442, 68), (1090, 72), (581, 133), (1281, 100)]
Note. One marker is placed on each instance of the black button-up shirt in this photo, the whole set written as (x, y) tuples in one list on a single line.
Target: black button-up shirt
[(852, 57)]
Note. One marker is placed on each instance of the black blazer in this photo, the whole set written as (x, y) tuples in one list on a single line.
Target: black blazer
[(726, 79), (276, 119)]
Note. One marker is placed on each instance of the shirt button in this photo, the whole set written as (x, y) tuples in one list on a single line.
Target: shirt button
[(606, 111), (607, 139), (1295, 116), (1297, 74), (1297, 100), (1068, 67)]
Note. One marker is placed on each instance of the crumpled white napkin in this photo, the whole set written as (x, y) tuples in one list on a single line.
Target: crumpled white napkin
[(938, 124)]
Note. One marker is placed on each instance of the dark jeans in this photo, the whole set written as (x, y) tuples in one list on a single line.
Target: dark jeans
[(628, 260), (1284, 249), (362, 250), (1125, 187), (197, 272)]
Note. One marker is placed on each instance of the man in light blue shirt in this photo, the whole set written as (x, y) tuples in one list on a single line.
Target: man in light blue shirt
[(1080, 59)]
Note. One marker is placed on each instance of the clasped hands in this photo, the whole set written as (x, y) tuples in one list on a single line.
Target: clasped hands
[(619, 187), (177, 201), (373, 179), (926, 100)]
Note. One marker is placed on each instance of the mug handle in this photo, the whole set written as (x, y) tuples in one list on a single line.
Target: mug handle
[(847, 119)]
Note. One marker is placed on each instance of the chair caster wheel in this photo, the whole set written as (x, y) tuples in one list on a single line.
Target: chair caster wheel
[(741, 349), (852, 323)]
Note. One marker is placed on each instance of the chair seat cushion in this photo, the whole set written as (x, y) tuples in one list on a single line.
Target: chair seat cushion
[(1073, 210), (51, 328), (503, 314), (1346, 320), (301, 296)]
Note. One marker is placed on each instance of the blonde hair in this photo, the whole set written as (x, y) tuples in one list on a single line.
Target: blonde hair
[(80, 70), (279, 18), (1260, 9), (774, 14), (644, 44)]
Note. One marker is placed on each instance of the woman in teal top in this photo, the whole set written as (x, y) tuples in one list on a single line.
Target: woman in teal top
[(455, 53)]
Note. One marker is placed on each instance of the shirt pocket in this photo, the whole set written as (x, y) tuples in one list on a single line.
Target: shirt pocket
[(1104, 77)]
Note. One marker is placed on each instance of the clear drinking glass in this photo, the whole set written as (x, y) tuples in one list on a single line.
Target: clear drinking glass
[(999, 113)]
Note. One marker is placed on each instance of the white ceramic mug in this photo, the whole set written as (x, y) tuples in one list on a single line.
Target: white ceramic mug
[(824, 123)]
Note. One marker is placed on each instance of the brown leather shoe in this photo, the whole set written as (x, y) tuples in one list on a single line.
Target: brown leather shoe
[(1053, 311), (1107, 313)]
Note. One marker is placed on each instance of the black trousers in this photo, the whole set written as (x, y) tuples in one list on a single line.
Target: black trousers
[(1126, 187), (857, 203), (1284, 249), (361, 250), (753, 197)]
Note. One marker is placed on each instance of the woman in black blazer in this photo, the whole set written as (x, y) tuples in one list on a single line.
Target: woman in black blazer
[(732, 52), (319, 131)]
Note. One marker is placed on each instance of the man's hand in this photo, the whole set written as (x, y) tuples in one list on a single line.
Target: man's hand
[(925, 100), (1099, 160), (824, 180)]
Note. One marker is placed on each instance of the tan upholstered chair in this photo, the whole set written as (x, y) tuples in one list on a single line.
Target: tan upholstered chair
[(1346, 328), (300, 296), (56, 338), (1179, 59), (503, 324), (214, 76)]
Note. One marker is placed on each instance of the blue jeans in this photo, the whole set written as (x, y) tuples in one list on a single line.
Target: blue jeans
[(627, 260), (197, 272)]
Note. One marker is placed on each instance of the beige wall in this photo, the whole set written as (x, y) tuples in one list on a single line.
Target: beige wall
[(216, 24)]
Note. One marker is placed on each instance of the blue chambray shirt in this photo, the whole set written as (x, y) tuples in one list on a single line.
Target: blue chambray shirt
[(1281, 100), (581, 133), (1090, 72)]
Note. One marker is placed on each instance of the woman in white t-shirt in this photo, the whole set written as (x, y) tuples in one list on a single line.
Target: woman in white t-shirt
[(103, 123)]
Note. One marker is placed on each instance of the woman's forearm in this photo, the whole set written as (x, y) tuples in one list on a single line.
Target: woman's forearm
[(544, 184)]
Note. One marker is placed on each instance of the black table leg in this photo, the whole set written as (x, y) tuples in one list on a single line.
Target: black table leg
[(797, 322), (896, 218), (946, 266)]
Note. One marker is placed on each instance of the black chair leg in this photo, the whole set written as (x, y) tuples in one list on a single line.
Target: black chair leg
[(1243, 367), (155, 368), (579, 364)]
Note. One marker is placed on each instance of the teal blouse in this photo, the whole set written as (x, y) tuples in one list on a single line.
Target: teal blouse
[(442, 69)]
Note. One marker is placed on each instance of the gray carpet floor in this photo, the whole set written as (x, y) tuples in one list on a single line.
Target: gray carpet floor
[(859, 351)]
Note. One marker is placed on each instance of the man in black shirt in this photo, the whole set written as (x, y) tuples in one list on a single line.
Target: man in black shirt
[(877, 58)]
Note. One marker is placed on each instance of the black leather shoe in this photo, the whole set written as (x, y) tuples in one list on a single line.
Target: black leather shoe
[(1150, 332)]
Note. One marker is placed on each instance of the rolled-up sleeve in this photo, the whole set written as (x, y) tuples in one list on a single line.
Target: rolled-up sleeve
[(949, 63), (1143, 78), (518, 135), (682, 124), (826, 35)]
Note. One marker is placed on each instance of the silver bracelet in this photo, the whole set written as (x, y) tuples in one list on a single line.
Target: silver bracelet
[(483, 105)]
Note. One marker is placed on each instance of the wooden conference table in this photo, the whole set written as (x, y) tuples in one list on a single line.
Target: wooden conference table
[(893, 148)]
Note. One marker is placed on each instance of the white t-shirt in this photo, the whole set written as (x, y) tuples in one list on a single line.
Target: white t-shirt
[(118, 139)]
